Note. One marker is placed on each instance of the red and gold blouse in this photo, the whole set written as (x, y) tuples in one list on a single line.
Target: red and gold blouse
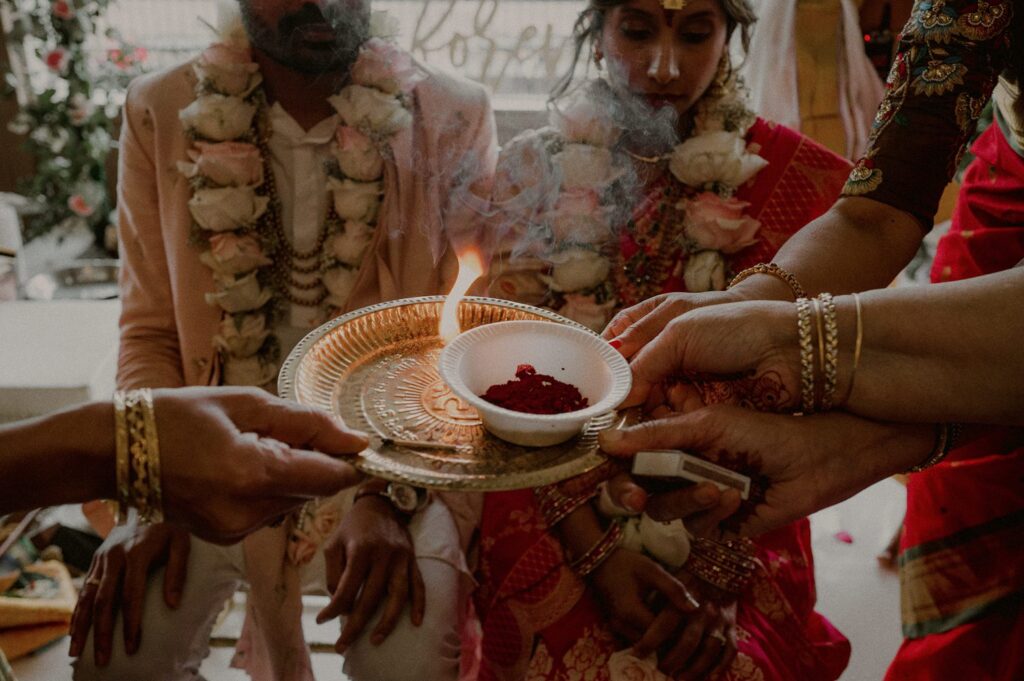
[(950, 57)]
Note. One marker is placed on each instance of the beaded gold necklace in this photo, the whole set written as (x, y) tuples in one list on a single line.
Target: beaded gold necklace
[(289, 261), (656, 231)]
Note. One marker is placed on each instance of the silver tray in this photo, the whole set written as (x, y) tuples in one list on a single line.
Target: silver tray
[(376, 368)]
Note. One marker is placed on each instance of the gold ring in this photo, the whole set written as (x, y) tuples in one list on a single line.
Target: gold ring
[(718, 636)]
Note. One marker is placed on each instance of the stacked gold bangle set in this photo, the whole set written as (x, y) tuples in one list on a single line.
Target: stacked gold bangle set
[(137, 451), (726, 566), (819, 314)]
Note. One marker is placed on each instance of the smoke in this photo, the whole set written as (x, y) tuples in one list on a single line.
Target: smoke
[(575, 183)]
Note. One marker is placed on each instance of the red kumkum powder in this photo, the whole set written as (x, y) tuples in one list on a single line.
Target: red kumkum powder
[(535, 393)]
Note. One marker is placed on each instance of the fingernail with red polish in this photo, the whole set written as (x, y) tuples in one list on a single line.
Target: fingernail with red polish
[(616, 343)]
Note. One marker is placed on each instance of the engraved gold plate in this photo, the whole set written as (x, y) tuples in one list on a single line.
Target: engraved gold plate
[(376, 368)]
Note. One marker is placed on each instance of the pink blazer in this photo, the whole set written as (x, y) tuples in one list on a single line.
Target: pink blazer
[(167, 328), (444, 160)]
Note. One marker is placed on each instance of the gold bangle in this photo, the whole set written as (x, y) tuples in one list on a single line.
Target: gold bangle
[(821, 347), (121, 458), (728, 566), (555, 506), (773, 270), (856, 348), (830, 361), (946, 435), (153, 459), (803, 324), (599, 552), (137, 449), (137, 456)]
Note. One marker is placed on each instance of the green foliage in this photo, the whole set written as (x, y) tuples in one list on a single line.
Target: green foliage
[(76, 75)]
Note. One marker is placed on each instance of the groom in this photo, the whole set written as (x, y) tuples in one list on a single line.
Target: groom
[(228, 166)]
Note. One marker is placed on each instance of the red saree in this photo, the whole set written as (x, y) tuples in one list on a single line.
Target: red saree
[(540, 621), (962, 557)]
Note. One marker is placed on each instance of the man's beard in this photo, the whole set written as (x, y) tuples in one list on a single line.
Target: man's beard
[(350, 21)]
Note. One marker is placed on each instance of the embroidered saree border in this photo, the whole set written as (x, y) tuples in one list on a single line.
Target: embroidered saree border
[(950, 581)]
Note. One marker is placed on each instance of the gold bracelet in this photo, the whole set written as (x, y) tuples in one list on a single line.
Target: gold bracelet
[(138, 456), (556, 506), (946, 435), (728, 566), (137, 447), (803, 324), (856, 348), (821, 347), (123, 474), (830, 361), (599, 552), (773, 270), (156, 505)]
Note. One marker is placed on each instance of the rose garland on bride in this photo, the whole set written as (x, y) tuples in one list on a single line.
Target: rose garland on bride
[(587, 259), (234, 206)]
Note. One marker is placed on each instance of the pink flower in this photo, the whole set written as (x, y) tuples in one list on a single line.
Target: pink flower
[(719, 224), (384, 66), (57, 59), (357, 156), (587, 311), (228, 164), (578, 217), (301, 548), (325, 519), (233, 254), (228, 70), (79, 206), (62, 10)]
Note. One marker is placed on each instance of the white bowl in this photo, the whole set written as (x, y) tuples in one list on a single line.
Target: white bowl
[(489, 355)]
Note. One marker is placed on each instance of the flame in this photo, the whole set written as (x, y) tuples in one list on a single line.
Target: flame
[(471, 268)]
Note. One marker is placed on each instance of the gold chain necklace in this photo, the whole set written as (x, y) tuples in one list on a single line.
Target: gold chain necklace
[(291, 261)]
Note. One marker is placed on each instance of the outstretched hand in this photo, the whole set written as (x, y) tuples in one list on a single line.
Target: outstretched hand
[(743, 353), (634, 327), (234, 459), (800, 464)]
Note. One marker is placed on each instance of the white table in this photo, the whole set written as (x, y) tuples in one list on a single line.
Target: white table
[(55, 353)]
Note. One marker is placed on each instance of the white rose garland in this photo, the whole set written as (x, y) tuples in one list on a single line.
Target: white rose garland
[(225, 168), (711, 165)]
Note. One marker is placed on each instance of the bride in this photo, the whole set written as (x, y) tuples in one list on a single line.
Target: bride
[(652, 177)]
